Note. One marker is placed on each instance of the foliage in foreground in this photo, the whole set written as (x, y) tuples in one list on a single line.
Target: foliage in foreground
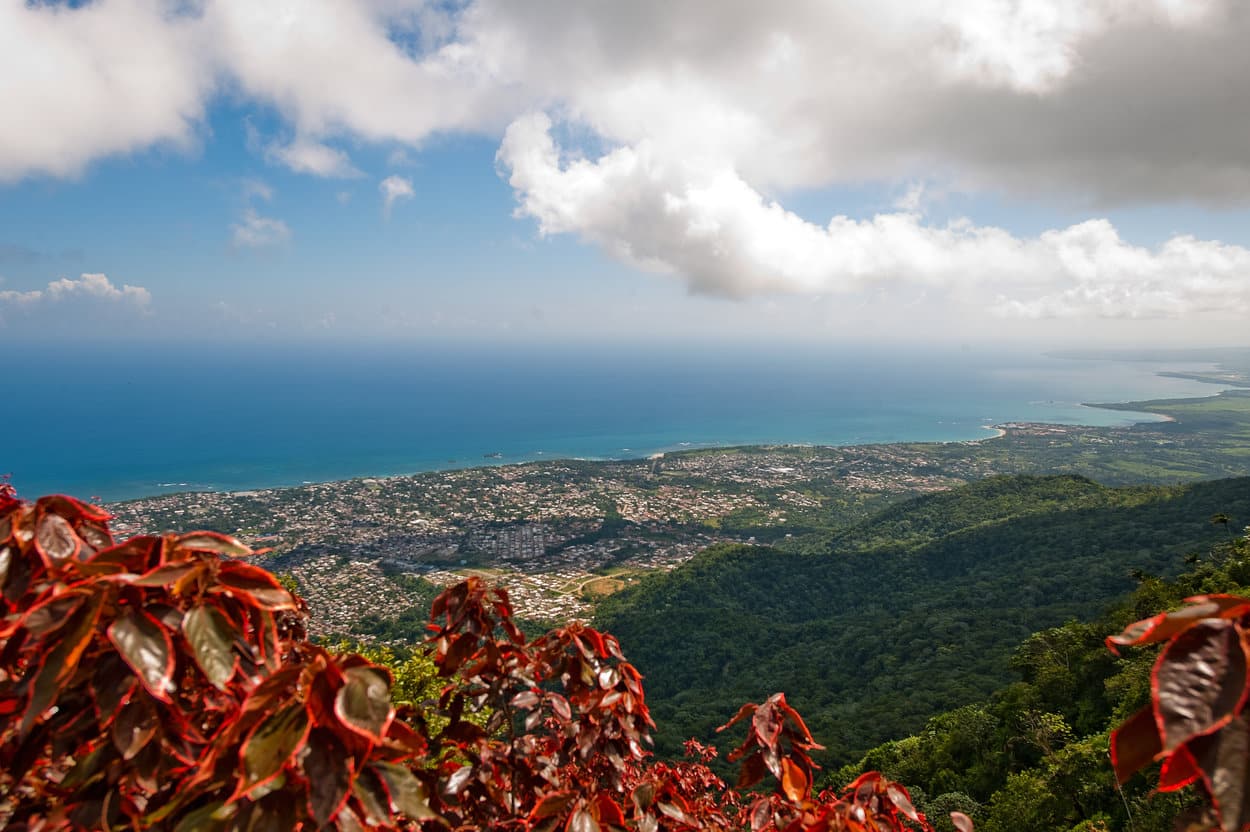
[(162, 682)]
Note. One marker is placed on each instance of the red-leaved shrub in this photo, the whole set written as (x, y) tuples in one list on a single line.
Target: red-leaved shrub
[(163, 682)]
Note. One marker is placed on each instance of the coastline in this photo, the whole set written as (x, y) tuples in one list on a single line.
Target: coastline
[(998, 431), (1133, 411)]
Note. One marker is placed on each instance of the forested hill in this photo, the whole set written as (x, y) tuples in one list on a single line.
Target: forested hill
[(873, 630)]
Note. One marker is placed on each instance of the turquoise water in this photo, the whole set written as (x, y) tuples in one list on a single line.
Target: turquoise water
[(120, 422)]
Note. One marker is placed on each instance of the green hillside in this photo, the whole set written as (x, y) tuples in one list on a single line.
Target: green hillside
[(873, 630)]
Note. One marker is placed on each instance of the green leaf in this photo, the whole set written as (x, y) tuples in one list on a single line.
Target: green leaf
[(407, 793), (273, 742), (363, 704), (210, 636), (147, 647)]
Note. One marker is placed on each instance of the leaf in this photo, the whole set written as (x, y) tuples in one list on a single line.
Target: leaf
[(1222, 758), (210, 636), (61, 662), (1134, 744), (1179, 770), (794, 781), (213, 542), (552, 803), (55, 539), (1165, 625), (166, 574), (147, 647), (329, 774), (370, 791), (1199, 680), (254, 586), (363, 704), (899, 797), (134, 726), (581, 821), (48, 615), (272, 743), (458, 780), (407, 793), (961, 822)]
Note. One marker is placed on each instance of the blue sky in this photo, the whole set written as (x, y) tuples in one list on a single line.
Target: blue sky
[(563, 172)]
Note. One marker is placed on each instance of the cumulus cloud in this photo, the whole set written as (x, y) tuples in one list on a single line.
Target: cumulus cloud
[(709, 226), (93, 287), (394, 189), (110, 77), (689, 114), (256, 231)]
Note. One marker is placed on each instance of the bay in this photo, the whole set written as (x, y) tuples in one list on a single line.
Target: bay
[(121, 421)]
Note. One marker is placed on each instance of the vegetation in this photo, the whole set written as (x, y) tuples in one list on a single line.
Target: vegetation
[(1037, 754), (912, 613), (162, 683)]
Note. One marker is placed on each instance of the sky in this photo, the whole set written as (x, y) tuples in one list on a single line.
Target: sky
[(1055, 170)]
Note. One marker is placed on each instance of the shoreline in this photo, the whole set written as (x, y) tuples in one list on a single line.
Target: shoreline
[(998, 432), (645, 455)]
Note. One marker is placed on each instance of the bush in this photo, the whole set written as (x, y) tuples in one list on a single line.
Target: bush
[(164, 682)]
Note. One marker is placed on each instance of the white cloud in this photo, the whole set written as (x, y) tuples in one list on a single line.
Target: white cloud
[(110, 77), (707, 225), (706, 110), (394, 189), (305, 156), (93, 287), (256, 231)]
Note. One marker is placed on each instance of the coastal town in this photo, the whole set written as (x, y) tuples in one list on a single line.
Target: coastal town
[(559, 534)]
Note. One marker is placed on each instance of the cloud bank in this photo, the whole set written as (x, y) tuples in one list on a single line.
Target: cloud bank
[(680, 123), (89, 287)]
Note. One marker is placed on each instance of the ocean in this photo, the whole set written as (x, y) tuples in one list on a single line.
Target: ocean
[(121, 421)]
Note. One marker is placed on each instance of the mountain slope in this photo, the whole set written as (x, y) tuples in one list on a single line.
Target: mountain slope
[(871, 631)]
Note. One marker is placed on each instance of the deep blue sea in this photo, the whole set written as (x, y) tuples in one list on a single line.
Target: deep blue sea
[(117, 422)]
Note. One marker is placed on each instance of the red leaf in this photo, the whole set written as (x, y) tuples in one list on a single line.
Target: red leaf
[(795, 784), (1222, 759), (134, 727), (1165, 625), (213, 542), (148, 649), (581, 821), (328, 769), (962, 822), (363, 704), (1135, 744), (272, 743), (551, 804), (60, 663), (1179, 770), (253, 585), (211, 638), (407, 794), (899, 797), (1199, 681), (55, 539)]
